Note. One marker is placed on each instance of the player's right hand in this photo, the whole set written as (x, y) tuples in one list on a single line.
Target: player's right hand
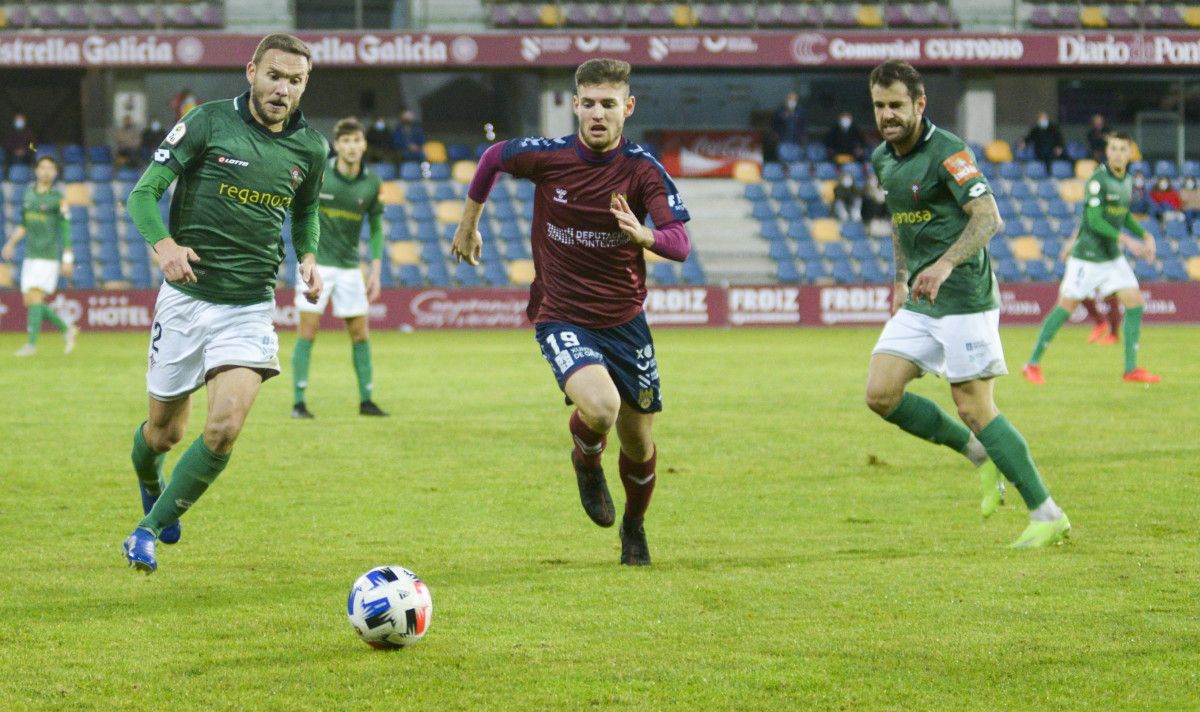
[(7, 252), (175, 261), (899, 296), (467, 245)]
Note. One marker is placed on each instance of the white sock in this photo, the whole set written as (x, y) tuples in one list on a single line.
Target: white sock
[(1047, 511), (975, 452)]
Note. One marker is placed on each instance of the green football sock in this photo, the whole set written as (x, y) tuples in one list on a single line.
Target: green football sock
[(1010, 452), (1050, 327), (147, 463), (300, 357), (53, 317), (922, 417), (194, 472), (1133, 333), (362, 368), (34, 322)]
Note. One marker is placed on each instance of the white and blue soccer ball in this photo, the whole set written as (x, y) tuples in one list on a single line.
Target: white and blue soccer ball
[(390, 607)]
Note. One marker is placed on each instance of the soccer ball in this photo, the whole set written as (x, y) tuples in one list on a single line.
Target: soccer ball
[(390, 607)]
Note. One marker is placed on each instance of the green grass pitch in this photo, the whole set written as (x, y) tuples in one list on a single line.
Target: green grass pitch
[(807, 554)]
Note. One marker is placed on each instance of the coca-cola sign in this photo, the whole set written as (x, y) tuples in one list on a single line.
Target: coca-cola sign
[(708, 153)]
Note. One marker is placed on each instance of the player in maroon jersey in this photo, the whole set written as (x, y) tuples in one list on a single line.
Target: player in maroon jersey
[(594, 191)]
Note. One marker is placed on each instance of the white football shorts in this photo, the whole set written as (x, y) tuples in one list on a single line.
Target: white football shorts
[(39, 274), (1082, 278), (345, 284), (190, 338), (957, 347)]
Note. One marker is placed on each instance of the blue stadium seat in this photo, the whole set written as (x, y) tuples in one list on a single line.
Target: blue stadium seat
[(1074, 151), (1007, 210), (1008, 270), (815, 152), (1047, 190), (510, 231), (778, 250), (100, 172), (110, 270), (987, 168), (792, 210), (1140, 166), (787, 273), (798, 230), (1030, 208), (439, 171), (466, 275), (423, 213), (1051, 246), (102, 194), (1146, 271), (139, 274), (1000, 247), (1173, 270), (480, 149), (1037, 271), (490, 251), (398, 230), (1035, 170), (781, 191), (410, 171), (886, 250), (754, 192), (410, 276), (807, 250), (494, 274), (807, 192), (1062, 169), (826, 171), (855, 170), (816, 270), (394, 213), (77, 213), (1191, 168), (852, 230), (128, 173), (843, 272), (83, 277), (525, 191), (1188, 247), (100, 154), (773, 171), (1164, 168), (73, 154), (445, 191), (459, 152), (835, 250), (385, 170), (692, 272), (862, 250), (799, 170), (769, 230), (1058, 210), (1010, 170), (790, 152), (1019, 190), (870, 272), (74, 173), (664, 274), (1175, 229)]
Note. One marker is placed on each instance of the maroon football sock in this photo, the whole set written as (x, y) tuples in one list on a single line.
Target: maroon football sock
[(588, 443), (1093, 313), (1114, 314), (639, 479)]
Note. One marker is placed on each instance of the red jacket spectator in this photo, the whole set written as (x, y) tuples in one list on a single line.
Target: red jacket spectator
[(1164, 196)]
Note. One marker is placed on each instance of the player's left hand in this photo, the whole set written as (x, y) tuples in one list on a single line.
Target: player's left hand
[(8, 251), (628, 222), (312, 279), (930, 281), (373, 288)]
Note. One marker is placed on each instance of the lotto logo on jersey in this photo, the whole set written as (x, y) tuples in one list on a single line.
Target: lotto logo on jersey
[(961, 167), (162, 155)]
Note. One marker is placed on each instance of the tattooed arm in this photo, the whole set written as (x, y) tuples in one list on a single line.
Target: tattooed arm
[(900, 287), (982, 224)]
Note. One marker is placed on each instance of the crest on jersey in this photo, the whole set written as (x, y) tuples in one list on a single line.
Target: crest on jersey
[(296, 175), (560, 195), (645, 397), (915, 189)]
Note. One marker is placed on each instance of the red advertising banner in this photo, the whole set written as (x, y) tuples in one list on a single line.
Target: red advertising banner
[(701, 306), (694, 154), (181, 50)]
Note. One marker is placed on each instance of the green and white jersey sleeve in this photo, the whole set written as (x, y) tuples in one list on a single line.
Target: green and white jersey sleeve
[(236, 182), (45, 221), (344, 203), (1106, 200), (925, 190)]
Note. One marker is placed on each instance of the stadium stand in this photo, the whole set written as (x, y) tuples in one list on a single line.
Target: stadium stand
[(102, 15)]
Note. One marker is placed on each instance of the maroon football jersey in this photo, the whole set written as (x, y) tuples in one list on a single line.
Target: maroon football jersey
[(588, 271)]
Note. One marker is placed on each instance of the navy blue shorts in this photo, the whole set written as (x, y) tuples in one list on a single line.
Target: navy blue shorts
[(626, 350)]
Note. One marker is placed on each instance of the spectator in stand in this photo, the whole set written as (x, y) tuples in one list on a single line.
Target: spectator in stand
[(1139, 201), (874, 208), (409, 138), (1097, 138), (19, 142), (379, 141), (127, 141), (1046, 140), (183, 102), (152, 135), (1189, 199), (789, 124), (845, 140), (847, 199), (1164, 199)]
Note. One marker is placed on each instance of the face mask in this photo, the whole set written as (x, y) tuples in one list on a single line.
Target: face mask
[(379, 124), (847, 181), (791, 105), (155, 125), (845, 122), (1043, 123), (19, 123)]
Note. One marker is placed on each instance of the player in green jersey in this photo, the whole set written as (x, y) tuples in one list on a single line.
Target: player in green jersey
[(1096, 262), (350, 193), (47, 234), (241, 164), (945, 304)]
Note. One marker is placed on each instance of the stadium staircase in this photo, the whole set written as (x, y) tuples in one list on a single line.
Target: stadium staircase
[(722, 232)]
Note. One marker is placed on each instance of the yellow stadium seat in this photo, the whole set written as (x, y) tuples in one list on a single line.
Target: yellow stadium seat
[(1191, 16), (869, 16), (843, 158), (550, 16), (651, 257), (448, 212), (391, 192), (1135, 151), (1093, 17), (6, 275), (1026, 247), (78, 194), (3, 17), (683, 16), (825, 230), (463, 171), (998, 151), (405, 252), (1193, 268), (435, 152), (825, 188), (1084, 168), (116, 284), (1071, 190), (747, 172), (521, 271)]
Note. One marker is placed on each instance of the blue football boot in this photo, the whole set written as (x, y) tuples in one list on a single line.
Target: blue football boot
[(139, 550), (171, 534)]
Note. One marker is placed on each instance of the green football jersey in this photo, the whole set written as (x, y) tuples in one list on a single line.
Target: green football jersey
[(344, 202), (44, 223), (237, 180), (1106, 198), (925, 190)]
